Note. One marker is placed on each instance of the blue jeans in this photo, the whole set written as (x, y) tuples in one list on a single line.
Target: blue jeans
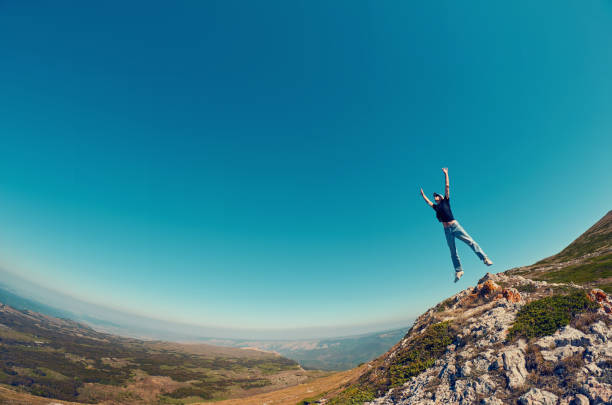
[(456, 231)]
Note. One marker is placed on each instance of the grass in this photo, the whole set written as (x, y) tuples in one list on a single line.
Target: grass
[(591, 271), (580, 247), (545, 316)]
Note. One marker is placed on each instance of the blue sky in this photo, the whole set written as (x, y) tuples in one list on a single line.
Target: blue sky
[(258, 164)]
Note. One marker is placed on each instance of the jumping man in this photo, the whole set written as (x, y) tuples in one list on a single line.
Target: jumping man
[(452, 229)]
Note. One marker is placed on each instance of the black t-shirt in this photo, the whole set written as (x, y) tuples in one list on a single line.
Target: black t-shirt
[(443, 210)]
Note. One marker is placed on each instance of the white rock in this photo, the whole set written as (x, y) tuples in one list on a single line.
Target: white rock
[(514, 365), (601, 331), (491, 401), (570, 336), (537, 396), (561, 353)]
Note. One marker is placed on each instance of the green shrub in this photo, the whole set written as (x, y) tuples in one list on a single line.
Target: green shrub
[(353, 395), (421, 353), (545, 316), (310, 401)]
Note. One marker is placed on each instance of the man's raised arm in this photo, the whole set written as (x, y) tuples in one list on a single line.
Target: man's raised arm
[(426, 199), (445, 170)]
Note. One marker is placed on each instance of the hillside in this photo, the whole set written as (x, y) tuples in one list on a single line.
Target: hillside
[(586, 261), (61, 359), (540, 334)]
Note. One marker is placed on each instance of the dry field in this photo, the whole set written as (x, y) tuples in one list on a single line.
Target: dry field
[(292, 395)]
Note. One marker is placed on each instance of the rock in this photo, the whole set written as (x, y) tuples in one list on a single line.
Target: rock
[(482, 362), (537, 396), (579, 400), (593, 369), (465, 370), (491, 401), (512, 294), (602, 299), (488, 287), (570, 336), (601, 331), (561, 353), (484, 385), (448, 372), (564, 337), (514, 365), (596, 391)]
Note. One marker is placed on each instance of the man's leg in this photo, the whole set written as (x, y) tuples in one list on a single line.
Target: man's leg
[(450, 239), (461, 234)]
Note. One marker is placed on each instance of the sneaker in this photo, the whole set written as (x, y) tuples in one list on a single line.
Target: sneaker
[(488, 261), (458, 275)]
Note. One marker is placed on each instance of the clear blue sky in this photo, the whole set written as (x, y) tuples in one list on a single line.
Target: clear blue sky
[(258, 164)]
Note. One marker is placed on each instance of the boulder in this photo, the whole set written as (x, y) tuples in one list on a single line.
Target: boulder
[(570, 336), (561, 353), (537, 396), (514, 365)]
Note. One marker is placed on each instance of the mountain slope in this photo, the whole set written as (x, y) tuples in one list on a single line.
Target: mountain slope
[(504, 341), (597, 240), (586, 261), (540, 334)]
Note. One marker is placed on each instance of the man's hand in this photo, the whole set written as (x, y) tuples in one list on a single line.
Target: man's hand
[(445, 170), (426, 199)]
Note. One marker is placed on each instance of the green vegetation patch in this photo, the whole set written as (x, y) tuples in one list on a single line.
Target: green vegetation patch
[(421, 353), (580, 247), (444, 305), (185, 392), (595, 269), (311, 401), (353, 395), (545, 316), (526, 288)]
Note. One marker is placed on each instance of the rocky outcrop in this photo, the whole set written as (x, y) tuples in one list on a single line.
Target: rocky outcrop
[(482, 366)]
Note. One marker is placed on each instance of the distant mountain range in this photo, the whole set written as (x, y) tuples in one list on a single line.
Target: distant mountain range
[(340, 353)]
